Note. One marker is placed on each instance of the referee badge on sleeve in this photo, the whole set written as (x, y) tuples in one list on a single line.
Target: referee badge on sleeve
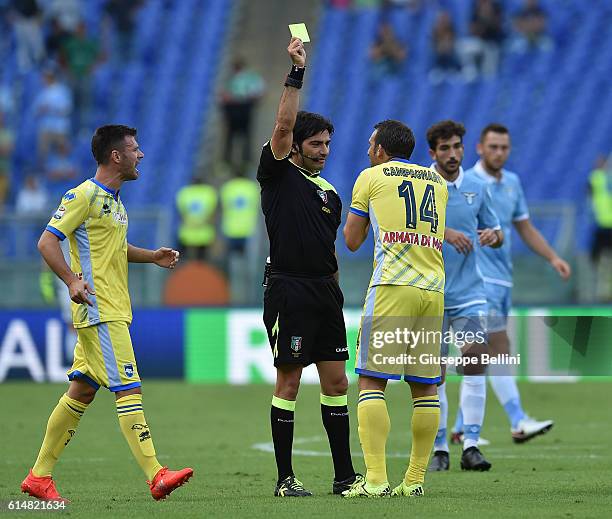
[(323, 195)]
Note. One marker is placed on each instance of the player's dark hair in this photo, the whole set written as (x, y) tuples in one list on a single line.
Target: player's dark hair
[(308, 124), (495, 128), (443, 131), (395, 138), (108, 138)]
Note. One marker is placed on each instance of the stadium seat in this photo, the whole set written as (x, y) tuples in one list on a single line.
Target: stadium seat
[(559, 114), (165, 92)]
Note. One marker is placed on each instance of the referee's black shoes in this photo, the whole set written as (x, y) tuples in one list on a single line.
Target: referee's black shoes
[(291, 487), (472, 459), (340, 486)]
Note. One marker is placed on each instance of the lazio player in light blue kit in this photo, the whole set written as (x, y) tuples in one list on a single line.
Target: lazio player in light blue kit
[(94, 220), (471, 221), (496, 266)]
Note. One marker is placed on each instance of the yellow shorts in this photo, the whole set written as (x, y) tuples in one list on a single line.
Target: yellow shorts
[(400, 334), (104, 356)]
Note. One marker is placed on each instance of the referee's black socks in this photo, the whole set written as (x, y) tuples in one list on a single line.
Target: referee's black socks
[(334, 412), (281, 419)]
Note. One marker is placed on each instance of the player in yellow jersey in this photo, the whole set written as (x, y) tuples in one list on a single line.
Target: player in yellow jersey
[(93, 218), (402, 318)]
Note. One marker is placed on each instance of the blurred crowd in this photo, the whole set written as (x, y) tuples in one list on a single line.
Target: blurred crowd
[(491, 31), (64, 46), (52, 38), (226, 204), (55, 49)]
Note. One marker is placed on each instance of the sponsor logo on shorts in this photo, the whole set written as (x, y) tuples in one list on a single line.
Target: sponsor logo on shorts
[(340, 350), (129, 370), (296, 343)]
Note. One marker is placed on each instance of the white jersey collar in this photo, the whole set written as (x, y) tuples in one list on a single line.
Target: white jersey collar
[(458, 181)]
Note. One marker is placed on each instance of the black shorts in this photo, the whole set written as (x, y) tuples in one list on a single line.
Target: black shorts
[(304, 320), (602, 241)]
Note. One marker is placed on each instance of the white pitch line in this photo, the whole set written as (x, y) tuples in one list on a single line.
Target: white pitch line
[(269, 447)]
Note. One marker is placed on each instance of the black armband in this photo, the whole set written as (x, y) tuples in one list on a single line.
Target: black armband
[(295, 77)]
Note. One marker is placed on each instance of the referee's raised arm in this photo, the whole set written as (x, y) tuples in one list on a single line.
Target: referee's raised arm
[(282, 136)]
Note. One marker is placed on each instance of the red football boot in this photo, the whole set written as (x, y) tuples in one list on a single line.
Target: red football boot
[(165, 481), (41, 487)]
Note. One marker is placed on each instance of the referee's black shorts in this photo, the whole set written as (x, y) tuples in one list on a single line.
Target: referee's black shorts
[(304, 320)]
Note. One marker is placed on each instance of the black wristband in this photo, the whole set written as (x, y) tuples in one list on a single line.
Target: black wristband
[(295, 77)]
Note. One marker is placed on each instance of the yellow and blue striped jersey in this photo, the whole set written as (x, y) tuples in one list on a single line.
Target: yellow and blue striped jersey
[(95, 221), (406, 205)]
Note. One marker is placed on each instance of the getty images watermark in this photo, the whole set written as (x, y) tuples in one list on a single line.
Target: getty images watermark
[(404, 346)]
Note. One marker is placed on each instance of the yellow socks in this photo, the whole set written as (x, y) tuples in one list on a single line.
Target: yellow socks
[(136, 431), (374, 427), (64, 420), (425, 420), (61, 427)]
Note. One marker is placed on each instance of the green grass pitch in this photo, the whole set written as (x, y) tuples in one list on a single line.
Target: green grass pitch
[(566, 473)]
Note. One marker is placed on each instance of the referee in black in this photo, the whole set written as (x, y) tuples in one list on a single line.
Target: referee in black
[(302, 300)]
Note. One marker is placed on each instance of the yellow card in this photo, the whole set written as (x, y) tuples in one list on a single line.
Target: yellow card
[(298, 30)]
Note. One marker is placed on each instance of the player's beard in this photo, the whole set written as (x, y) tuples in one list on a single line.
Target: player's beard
[(130, 173), (451, 168), (494, 166)]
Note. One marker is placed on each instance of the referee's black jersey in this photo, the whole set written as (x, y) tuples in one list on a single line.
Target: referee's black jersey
[(302, 217)]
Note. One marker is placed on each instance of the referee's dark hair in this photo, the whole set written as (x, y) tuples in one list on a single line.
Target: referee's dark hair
[(395, 138), (108, 138), (495, 128), (308, 124), (444, 130)]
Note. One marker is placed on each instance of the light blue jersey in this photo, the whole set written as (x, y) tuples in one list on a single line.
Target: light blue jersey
[(510, 206), (469, 208)]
